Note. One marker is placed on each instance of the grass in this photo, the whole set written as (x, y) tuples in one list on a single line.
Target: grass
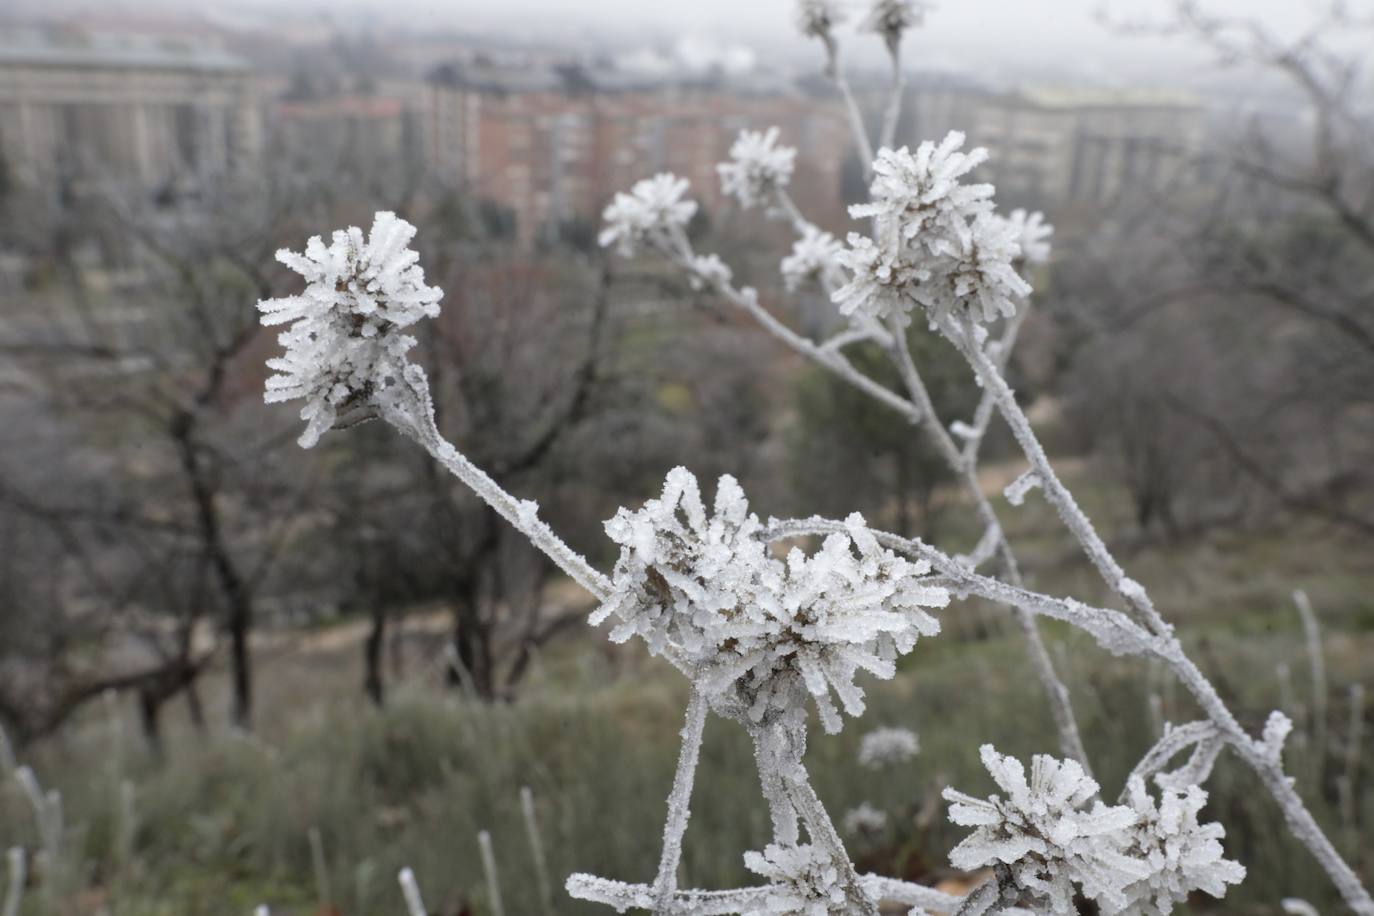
[(223, 824)]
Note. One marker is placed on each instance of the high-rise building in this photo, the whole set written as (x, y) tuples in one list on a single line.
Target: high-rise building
[(79, 105), (553, 144)]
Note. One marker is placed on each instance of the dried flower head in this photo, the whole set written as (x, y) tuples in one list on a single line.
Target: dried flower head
[(864, 819), (653, 207), (757, 167), (768, 633), (809, 882), (814, 257), (880, 284), (1182, 855), (890, 18), (344, 348), (885, 747), (1046, 832), (1032, 233), (818, 18)]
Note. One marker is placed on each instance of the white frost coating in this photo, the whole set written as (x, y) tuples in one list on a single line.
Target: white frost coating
[(1276, 730), (1182, 855), (1298, 907), (262, 910), (410, 889), (679, 799), (885, 747), (758, 167), (489, 870), (344, 348), (17, 879), (1138, 858), (653, 208), (814, 257), (962, 430), (1047, 834), (1017, 490), (708, 271), (536, 841), (1316, 660), (807, 881), (762, 632), (986, 547), (938, 244), (1032, 233), (864, 819)]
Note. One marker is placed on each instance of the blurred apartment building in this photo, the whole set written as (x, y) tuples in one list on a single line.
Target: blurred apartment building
[(1058, 147), (84, 106), (554, 143)]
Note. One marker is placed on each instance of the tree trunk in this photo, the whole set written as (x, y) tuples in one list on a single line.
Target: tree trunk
[(373, 680)]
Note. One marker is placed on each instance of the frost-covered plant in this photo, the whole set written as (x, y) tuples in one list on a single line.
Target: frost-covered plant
[(864, 818), (1031, 233), (757, 168), (765, 632), (814, 258), (653, 208), (1054, 835), (345, 348), (759, 636), (1182, 854), (807, 882), (890, 18), (885, 747), (817, 18), (1051, 830)]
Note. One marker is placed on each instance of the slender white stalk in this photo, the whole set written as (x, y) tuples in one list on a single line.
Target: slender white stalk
[(1298, 907), (893, 113), (489, 870), (823, 833), (410, 889), (1354, 747), (17, 878), (679, 799), (324, 894), (1316, 659), (1061, 707), (536, 841), (863, 145), (128, 823), (414, 416)]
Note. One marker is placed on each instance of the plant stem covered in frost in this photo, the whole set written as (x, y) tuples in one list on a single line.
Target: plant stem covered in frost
[(680, 799), (489, 870), (18, 876), (1253, 752), (536, 841), (1316, 659), (410, 890)]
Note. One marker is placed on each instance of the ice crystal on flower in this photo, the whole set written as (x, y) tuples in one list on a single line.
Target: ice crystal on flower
[(975, 277), (652, 207), (344, 346), (884, 747), (809, 882), (864, 819), (879, 285), (708, 270), (1049, 835), (919, 197), (1182, 854), (757, 167), (814, 257), (768, 632), (1031, 234), (816, 18)]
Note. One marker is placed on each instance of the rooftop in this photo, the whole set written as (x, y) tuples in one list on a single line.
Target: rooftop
[(71, 47)]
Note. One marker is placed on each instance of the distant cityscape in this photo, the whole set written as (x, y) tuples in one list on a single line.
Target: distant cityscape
[(546, 136)]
